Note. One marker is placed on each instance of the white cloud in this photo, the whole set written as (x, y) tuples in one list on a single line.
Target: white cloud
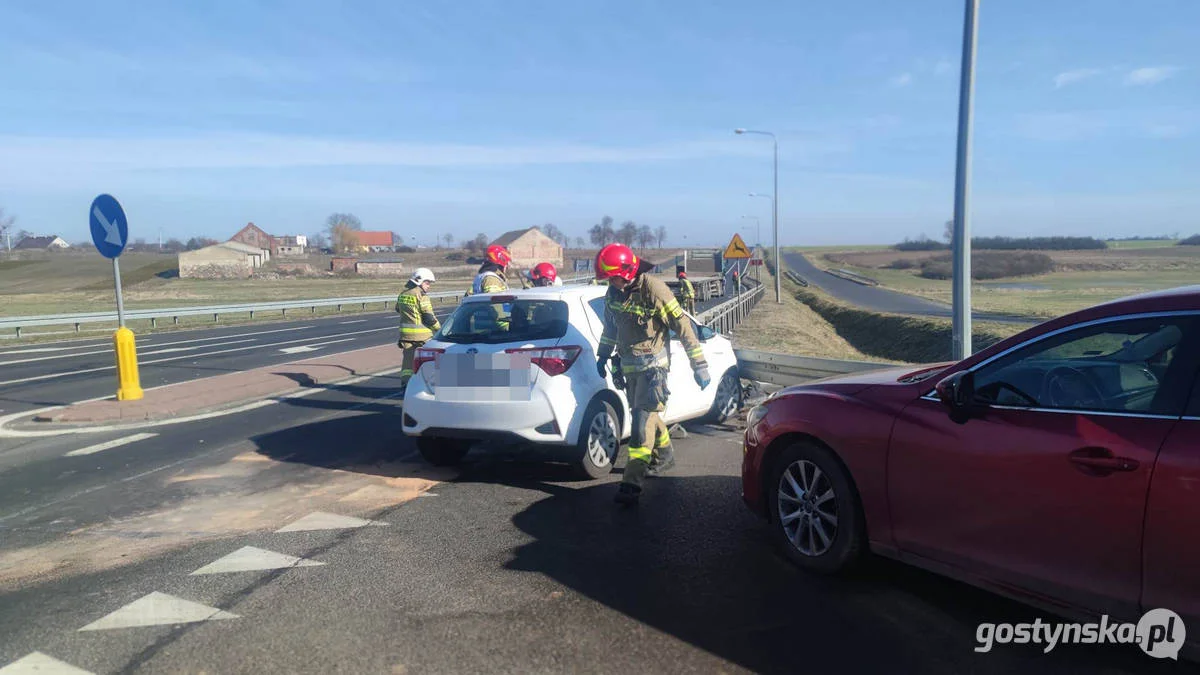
[(1150, 75), (1072, 76), (901, 80)]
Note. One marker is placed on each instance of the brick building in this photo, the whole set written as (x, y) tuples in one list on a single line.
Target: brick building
[(531, 246)]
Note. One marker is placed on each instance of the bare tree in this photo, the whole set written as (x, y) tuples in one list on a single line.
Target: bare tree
[(628, 233), (343, 231), (948, 235), (317, 241), (660, 235), (645, 236), (580, 242), (449, 239)]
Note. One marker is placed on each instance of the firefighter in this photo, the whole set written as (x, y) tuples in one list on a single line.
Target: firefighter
[(687, 292), (491, 277), (544, 274), (639, 311), (417, 321)]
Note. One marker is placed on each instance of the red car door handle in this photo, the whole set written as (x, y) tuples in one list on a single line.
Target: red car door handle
[(1102, 460)]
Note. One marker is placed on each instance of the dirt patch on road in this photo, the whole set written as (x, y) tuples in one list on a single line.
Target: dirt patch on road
[(248, 493)]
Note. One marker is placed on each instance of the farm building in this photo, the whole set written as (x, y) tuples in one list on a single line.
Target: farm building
[(50, 243), (227, 260), (531, 246)]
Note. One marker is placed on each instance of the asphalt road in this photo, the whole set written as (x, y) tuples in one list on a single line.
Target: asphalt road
[(878, 299), (48, 374), (503, 565)]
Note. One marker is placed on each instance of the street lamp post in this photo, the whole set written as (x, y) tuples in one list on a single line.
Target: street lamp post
[(962, 192), (774, 206)]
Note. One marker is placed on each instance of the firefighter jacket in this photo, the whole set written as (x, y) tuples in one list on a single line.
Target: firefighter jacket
[(417, 321), (488, 282), (686, 289), (636, 325)]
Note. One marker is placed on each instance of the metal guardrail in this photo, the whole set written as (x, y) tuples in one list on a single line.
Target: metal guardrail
[(788, 369), (726, 316), (853, 276), (20, 323)]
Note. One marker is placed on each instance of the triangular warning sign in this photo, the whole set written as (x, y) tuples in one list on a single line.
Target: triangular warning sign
[(736, 248)]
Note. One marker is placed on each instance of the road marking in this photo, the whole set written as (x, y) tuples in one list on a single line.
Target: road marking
[(251, 559), (41, 664), (52, 376), (319, 520), (146, 345), (158, 609), (109, 445), (342, 323), (313, 347), (13, 433)]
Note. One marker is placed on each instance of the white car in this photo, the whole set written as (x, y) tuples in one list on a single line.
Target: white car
[(521, 367)]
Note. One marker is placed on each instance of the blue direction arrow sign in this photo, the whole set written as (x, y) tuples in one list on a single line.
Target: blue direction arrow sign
[(110, 230)]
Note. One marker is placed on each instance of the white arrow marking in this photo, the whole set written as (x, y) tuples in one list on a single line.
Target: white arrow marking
[(42, 664), (311, 348), (251, 559), (158, 609), (112, 234), (319, 520)]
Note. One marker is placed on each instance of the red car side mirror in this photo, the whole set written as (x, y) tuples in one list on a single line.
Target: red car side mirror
[(957, 393)]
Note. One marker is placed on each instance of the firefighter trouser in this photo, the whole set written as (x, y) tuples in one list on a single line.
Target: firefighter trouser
[(647, 393), (410, 353)]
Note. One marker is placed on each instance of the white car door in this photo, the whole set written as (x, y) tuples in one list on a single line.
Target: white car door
[(686, 400)]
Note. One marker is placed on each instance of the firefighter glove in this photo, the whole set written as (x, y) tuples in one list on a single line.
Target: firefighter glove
[(702, 377)]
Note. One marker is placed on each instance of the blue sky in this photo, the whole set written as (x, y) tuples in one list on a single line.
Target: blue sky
[(469, 117)]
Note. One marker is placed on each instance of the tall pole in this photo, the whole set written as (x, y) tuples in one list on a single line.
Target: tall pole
[(774, 206), (775, 217), (962, 191)]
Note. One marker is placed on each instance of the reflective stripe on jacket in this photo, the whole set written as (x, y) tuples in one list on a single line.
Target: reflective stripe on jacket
[(636, 325), (417, 320)]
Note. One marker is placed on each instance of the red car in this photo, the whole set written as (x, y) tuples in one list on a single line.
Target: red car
[(1060, 467)]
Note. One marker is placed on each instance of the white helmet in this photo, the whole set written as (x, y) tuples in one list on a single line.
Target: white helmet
[(423, 274)]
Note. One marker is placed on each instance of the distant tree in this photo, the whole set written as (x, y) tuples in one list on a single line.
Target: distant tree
[(449, 239), (199, 242), (477, 245), (660, 235), (551, 230), (317, 241), (948, 234), (173, 246), (343, 231), (628, 233), (580, 242), (603, 233), (645, 236), (21, 235)]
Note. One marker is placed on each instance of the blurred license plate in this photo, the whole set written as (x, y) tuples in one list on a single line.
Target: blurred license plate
[(484, 377)]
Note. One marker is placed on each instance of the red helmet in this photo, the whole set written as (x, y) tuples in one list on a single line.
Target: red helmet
[(544, 272), (499, 255), (616, 260)]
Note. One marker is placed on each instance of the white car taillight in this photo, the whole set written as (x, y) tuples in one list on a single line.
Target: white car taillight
[(552, 360)]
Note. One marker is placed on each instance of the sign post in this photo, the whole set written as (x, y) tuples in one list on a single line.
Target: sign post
[(110, 233)]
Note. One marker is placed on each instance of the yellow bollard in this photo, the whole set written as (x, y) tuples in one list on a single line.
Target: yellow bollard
[(130, 388)]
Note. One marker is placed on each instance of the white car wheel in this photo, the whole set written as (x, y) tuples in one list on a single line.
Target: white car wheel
[(599, 440)]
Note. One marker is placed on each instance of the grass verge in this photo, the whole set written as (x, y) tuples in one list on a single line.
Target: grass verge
[(893, 337), (791, 328)]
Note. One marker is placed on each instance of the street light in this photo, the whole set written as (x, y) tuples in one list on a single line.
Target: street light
[(774, 206)]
